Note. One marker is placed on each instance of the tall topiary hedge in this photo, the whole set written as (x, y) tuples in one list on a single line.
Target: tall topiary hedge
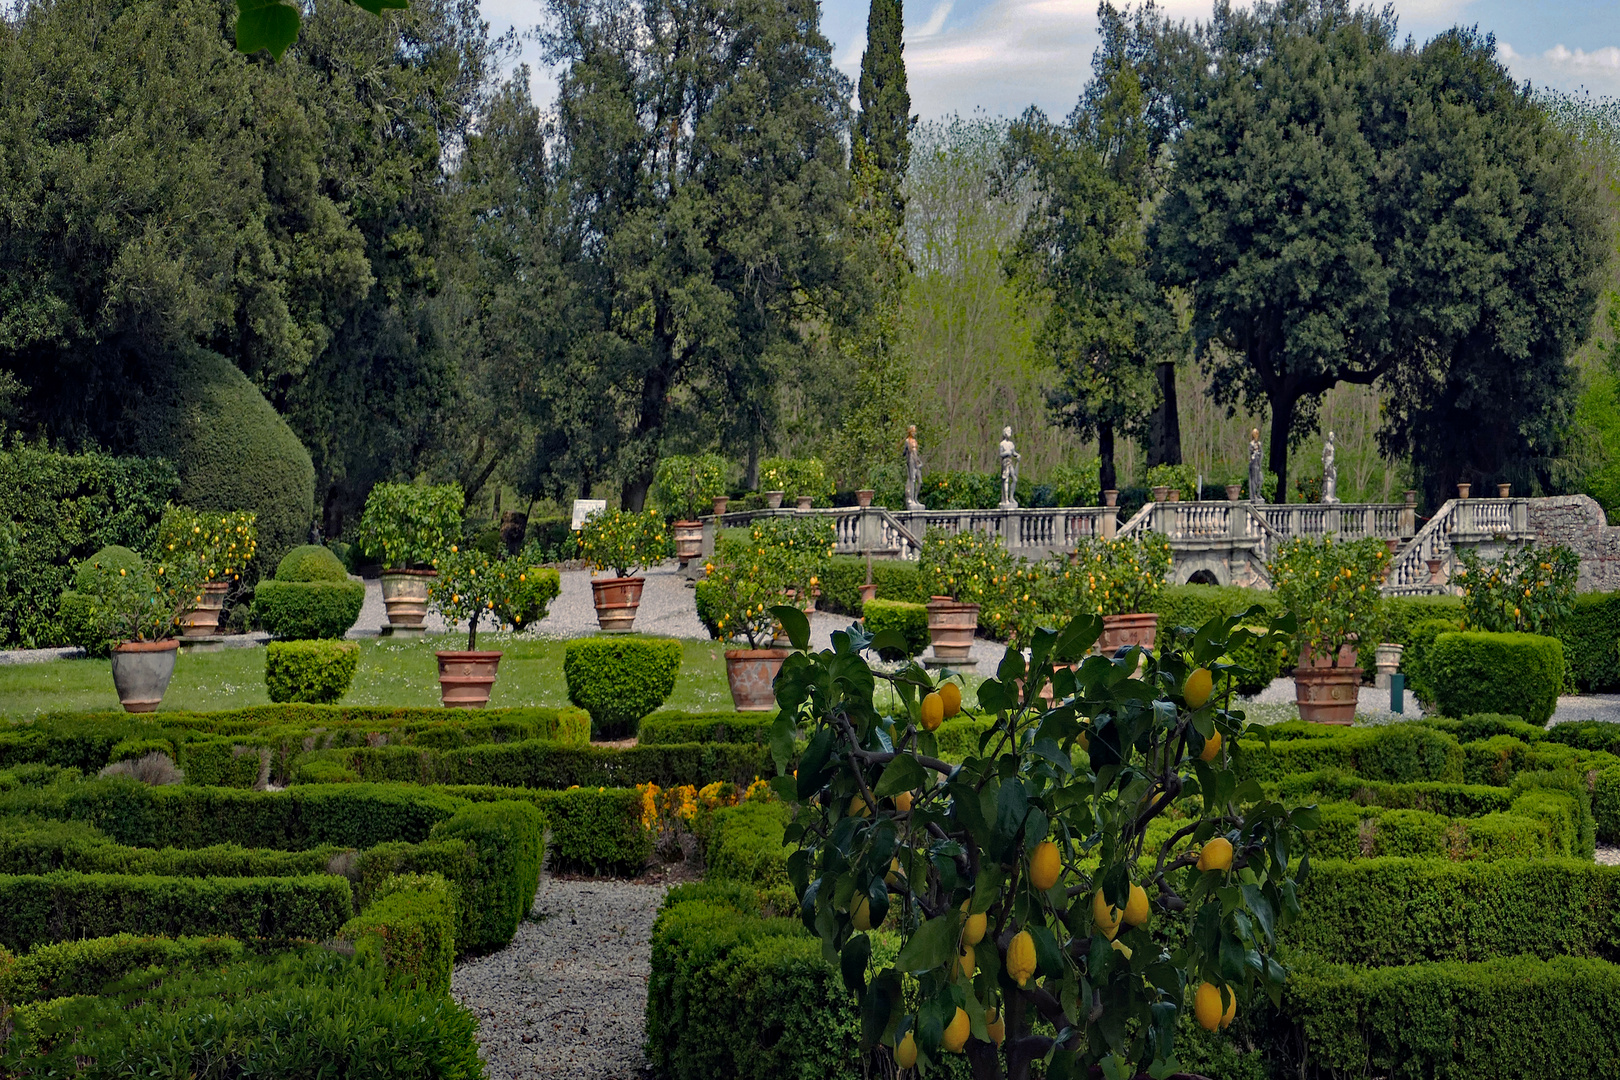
[(620, 680), (1476, 672), (230, 447), (1592, 641)]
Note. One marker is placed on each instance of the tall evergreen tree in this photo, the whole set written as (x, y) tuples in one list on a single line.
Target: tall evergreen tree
[(883, 128)]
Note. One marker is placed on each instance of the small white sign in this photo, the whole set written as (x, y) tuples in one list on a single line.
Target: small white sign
[(584, 508)]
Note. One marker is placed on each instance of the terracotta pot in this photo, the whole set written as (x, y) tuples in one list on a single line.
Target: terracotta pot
[(804, 501), (864, 497), (141, 671), (1174, 496), (1434, 570), (1233, 491), (1347, 657), (405, 596), (773, 499), (616, 601), (1327, 695), (1111, 497), (1463, 490), (868, 592), (688, 540), (203, 620), (951, 627), (720, 503), (1122, 631), (1502, 490), (466, 678), (751, 673), (1161, 494)]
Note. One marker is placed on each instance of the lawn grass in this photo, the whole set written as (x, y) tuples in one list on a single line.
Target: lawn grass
[(392, 671)]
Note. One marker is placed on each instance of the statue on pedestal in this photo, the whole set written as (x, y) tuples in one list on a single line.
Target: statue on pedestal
[(1256, 475), (1009, 471), (913, 469), (1330, 473)]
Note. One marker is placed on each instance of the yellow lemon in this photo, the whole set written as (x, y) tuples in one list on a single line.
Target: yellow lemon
[(1021, 958), (997, 1025), (968, 962), (1197, 688), (956, 1035), (905, 1055), (1207, 1008), (1212, 746), (893, 876), (973, 929), (1106, 917), (902, 802), (860, 913), (933, 711), (1136, 908), (1044, 866), (1121, 948), (857, 807), (951, 696), (1217, 855)]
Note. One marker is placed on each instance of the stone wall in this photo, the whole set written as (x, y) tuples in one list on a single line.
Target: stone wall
[(1578, 522)]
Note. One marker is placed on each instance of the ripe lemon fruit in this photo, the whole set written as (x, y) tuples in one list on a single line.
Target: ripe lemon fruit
[(968, 962), (1121, 948), (1199, 685), (860, 913), (1106, 917), (902, 802), (956, 1035), (996, 1025), (1207, 1007), (905, 1055), (1021, 958), (951, 696), (893, 876), (1212, 746), (858, 807), (1044, 866), (1136, 907), (1217, 854), (974, 927), (933, 711)]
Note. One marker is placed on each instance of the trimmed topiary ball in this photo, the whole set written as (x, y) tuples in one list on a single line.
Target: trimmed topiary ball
[(1475, 672), (620, 680), (308, 610), (310, 562), (313, 672)]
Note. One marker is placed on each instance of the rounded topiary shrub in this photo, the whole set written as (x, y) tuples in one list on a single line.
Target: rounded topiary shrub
[(1475, 672), (314, 672), (909, 620), (78, 627), (310, 562), (620, 680), (306, 610)]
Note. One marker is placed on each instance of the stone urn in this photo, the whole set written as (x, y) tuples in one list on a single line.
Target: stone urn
[(1388, 659), (1123, 631), (750, 674), (1435, 568), (951, 627), (803, 502), (141, 671), (1463, 490), (773, 499), (688, 540), (1233, 491), (1502, 490), (466, 678), (617, 599), (1161, 493), (720, 504), (864, 497), (203, 620), (405, 597), (1111, 497)]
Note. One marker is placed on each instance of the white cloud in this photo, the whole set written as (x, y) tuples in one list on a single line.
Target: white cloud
[(1603, 59), (935, 23), (1562, 68)]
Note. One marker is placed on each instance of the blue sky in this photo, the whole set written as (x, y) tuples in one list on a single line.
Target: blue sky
[(1001, 56)]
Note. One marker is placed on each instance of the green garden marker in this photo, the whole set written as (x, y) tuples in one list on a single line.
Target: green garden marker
[(1397, 693)]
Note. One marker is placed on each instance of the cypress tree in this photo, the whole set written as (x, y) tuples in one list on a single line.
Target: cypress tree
[(883, 128)]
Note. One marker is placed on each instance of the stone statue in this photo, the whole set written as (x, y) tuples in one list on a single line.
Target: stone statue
[(913, 470), (1256, 490), (1009, 471), (1330, 473)]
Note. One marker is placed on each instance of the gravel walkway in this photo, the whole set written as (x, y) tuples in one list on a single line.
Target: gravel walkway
[(568, 997)]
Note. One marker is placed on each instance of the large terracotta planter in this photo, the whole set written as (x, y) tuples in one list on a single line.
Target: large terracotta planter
[(1346, 659), (203, 620), (1327, 695), (751, 673), (720, 504), (405, 597), (951, 627), (141, 671), (466, 678), (617, 599), (864, 497), (1123, 631), (688, 540), (868, 591)]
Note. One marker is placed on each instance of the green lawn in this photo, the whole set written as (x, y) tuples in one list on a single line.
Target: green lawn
[(391, 672)]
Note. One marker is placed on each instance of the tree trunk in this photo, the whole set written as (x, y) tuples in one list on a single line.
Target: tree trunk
[(1166, 438), (1282, 419), (633, 492), (1105, 457), (751, 474)]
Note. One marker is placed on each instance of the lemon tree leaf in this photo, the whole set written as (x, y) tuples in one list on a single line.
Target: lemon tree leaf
[(932, 944), (265, 24), (901, 774)]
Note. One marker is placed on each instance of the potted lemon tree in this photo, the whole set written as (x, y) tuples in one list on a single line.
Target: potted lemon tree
[(1332, 589), (137, 604), (746, 578), (621, 542), (1120, 580), (405, 527), (474, 588), (220, 545), (684, 488)]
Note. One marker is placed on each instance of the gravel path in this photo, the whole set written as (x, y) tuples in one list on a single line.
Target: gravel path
[(568, 997)]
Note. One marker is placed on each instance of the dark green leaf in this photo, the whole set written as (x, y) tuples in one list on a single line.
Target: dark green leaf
[(901, 774), (852, 962), (265, 24), (932, 945), (795, 622)]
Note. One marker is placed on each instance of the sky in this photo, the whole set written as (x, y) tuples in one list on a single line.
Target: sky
[(1001, 56)]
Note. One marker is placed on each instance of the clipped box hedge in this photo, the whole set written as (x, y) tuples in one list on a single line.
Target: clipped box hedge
[(618, 680), (1475, 672), (896, 579), (664, 728), (908, 620), (744, 844), (411, 926), (1397, 753), (318, 672), (84, 966), (1591, 640), (300, 610)]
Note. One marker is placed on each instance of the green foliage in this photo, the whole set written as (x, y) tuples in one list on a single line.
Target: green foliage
[(222, 545), (620, 680), (664, 728), (1394, 753), (745, 843), (536, 588), (116, 601), (1332, 587), (896, 579), (959, 491), (1194, 605), (299, 610), (795, 477), (1415, 658), (310, 562), (472, 587), (316, 672), (1526, 591), (1475, 672), (42, 847), (411, 925), (84, 967), (910, 621), (63, 510), (508, 841), (1116, 577), (406, 525), (751, 574), (1179, 478), (623, 541), (685, 487), (64, 905), (1591, 638)]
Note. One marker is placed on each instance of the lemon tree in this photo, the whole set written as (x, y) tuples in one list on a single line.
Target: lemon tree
[(1021, 881)]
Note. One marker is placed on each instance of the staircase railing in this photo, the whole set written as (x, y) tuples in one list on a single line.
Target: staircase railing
[(1410, 573)]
